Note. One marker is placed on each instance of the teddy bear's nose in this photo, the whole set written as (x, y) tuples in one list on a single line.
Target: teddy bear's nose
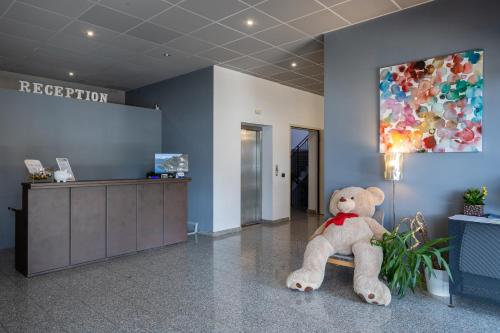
[(343, 199)]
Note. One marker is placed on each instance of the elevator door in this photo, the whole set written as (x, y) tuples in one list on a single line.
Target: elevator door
[(251, 179)]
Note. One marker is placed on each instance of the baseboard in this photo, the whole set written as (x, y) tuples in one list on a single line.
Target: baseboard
[(220, 233), (283, 220)]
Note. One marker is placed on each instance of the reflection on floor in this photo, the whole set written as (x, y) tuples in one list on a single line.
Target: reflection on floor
[(229, 284)]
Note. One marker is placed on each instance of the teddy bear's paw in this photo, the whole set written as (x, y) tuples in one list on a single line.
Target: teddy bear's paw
[(372, 291), (304, 280)]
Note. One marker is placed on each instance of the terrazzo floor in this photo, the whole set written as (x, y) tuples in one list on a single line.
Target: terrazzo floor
[(229, 284)]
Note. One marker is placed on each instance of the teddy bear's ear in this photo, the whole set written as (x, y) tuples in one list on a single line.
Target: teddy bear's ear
[(377, 194)]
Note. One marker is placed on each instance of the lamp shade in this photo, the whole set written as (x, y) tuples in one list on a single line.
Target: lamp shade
[(393, 165)]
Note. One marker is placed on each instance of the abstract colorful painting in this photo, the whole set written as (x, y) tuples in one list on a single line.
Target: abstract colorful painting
[(433, 105)]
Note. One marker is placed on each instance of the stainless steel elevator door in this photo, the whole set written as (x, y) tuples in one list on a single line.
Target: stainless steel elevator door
[(251, 178)]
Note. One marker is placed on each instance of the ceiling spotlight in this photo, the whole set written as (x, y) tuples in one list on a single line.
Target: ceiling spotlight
[(250, 22), (71, 74), (294, 64), (166, 54), (90, 33)]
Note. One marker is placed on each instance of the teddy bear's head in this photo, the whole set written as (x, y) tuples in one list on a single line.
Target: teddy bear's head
[(356, 200)]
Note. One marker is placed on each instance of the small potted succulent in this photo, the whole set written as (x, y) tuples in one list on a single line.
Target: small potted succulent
[(474, 201)]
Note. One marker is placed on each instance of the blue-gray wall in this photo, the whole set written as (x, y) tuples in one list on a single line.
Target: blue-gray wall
[(433, 183), (102, 141), (187, 107)]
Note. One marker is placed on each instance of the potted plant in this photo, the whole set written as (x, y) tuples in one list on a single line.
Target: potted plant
[(438, 284), (474, 201), (405, 260)]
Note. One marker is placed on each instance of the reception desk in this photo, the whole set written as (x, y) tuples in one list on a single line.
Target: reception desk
[(66, 224)]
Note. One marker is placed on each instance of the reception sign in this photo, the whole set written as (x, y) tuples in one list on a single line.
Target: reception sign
[(60, 91)]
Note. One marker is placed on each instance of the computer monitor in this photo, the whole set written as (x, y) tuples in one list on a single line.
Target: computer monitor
[(171, 163)]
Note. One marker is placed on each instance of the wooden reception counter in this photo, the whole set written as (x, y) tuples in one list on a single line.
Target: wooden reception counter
[(66, 224)]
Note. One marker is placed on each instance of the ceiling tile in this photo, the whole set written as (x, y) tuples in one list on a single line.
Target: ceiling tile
[(252, 2), (287, 76), (217, 34), (280, 35), (286, 10), (132, 43), (260, 20), (213, 9), (153, 33), (272, 55), (139, 8), (24, 30), (303, 46), (315, 86), (16, 47), (110, 19), (4, 4), (310, 70), (319, 23), (180, 20), (319, 77), (410, 3), (316, 57), (114, 52), (247, 45), (245, 63), (304, 81), (80, 28), (189, 45), (287, 64), (330, 3), (72, 8), (53, 57), (73, 43), (267, 70), (220, 54), (361, 10), (36, 16)]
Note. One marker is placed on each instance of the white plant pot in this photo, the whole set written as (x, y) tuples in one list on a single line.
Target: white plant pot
[(439, 284)]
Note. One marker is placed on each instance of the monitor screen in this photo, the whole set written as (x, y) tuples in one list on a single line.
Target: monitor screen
[(167, 163)]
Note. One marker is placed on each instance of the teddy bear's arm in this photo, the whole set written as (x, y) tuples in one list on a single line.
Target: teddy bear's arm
[(318, 231), (377, 229)]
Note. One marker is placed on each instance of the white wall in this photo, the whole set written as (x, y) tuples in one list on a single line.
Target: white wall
[(236, 97)]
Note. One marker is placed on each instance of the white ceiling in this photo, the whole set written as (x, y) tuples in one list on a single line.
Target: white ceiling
[(48, 37)]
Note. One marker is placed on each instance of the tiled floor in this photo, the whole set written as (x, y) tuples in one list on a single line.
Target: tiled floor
[(230, 284)]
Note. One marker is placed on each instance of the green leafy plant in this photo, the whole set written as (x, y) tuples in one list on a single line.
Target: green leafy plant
[(475, 196), (404, 262)]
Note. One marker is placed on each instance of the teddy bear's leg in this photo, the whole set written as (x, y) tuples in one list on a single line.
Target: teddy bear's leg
[(367, 262), (311, 275)]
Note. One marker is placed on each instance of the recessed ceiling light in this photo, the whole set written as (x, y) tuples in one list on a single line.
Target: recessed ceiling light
[(166, 54), (71, 74), (294, 64), (250, 22), (90, 33)]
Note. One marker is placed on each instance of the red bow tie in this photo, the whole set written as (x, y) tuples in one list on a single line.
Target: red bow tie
[(339, 219)]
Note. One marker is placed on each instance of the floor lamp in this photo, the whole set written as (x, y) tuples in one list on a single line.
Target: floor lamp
[(394, 172)]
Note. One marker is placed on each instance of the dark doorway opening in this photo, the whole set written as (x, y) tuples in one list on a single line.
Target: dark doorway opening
[(304, 170)]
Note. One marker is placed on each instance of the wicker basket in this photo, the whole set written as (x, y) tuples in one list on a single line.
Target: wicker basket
[(474, 210)]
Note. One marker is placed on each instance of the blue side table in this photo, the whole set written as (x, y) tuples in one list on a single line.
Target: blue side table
[(475, 257)]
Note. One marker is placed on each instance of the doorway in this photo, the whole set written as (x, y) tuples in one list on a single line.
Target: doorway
[(304, 158), (251, 175)]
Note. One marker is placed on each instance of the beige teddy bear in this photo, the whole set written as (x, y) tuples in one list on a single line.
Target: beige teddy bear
[(348, 232)]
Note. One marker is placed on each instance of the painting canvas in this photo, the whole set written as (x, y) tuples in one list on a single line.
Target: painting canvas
[(433, 105)]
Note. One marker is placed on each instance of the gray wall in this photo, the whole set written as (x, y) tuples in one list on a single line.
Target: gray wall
[(102, 141), (433, 183), (187, 107)]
